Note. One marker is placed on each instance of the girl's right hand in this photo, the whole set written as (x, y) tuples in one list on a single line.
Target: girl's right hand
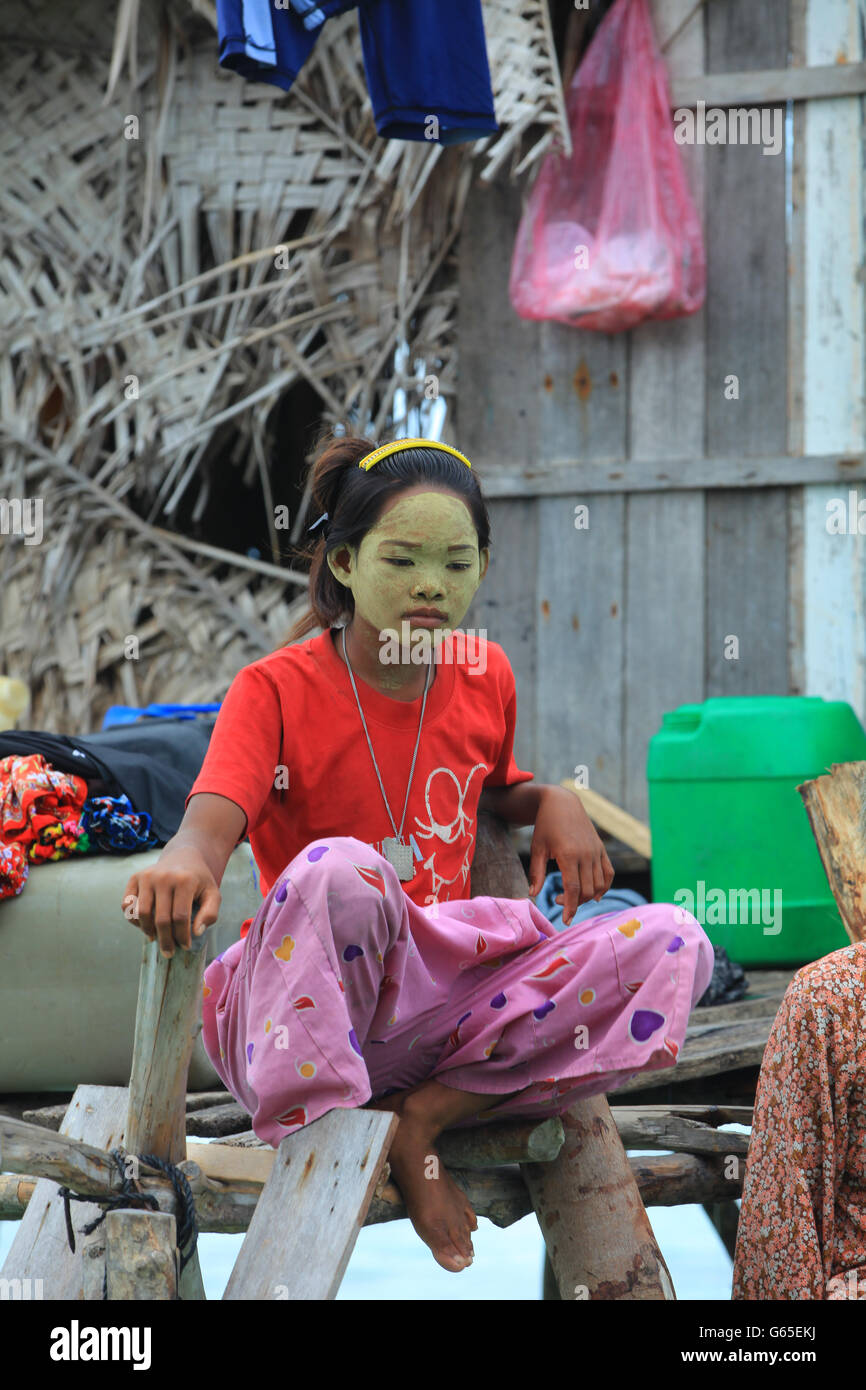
[(159, 900)]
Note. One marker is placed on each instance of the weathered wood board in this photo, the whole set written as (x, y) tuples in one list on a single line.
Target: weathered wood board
[(40, 1250), (664, 659), (832, 352), (747, 529), (689, 440), (580, 607), (664, 546), (312, 1207)]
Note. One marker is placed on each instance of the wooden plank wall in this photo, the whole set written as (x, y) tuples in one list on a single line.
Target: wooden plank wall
[(834, 619), (607, 628)]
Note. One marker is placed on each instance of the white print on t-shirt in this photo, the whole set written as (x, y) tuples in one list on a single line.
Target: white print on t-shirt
[(450, 832)]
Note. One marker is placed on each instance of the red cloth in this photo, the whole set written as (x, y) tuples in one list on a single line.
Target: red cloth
[(40, 817), (14, 870), (295, 710)]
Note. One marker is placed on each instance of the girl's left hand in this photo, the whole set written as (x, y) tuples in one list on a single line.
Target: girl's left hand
[(564, 832)]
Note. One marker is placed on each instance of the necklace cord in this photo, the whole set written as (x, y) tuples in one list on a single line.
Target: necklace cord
[(398, 833)]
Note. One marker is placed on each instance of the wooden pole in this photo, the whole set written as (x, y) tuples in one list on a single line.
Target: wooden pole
[(86, 1169), (167, 1021), (496, 868), (682, 1128), (495, 1145), (500, 1194), (140, 1256), (595, 1227), (93, 1265), (673, 1180), (598, 1236), (549, 1287), (725, 1218)]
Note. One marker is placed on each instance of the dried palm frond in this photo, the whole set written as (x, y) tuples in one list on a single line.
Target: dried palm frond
[(179, 248)]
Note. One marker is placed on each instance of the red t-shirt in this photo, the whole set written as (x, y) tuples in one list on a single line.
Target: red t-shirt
[(288, 747)]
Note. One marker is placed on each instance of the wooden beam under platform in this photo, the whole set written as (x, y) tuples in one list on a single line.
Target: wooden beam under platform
[(485, 1165)]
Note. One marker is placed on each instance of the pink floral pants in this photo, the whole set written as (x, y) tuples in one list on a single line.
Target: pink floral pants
[(345, 989)]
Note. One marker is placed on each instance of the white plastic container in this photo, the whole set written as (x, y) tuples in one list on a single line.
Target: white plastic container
[(69, 967)]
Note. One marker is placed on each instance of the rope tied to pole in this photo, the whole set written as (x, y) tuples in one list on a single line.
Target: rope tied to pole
[(187, 1226)]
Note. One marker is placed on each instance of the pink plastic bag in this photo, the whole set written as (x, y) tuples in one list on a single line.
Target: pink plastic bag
[(610, 236)]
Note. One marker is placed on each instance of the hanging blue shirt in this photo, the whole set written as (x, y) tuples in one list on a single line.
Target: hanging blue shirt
[(313, 14), (425, 61)]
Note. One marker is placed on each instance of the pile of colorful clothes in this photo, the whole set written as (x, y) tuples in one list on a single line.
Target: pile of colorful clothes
[(118, 791), (46, 814)]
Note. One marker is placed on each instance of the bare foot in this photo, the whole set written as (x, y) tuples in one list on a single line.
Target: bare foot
[(394, 1102), (441, 1214)]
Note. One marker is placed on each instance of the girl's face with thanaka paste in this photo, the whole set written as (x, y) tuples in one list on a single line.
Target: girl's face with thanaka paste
[(422, 553)]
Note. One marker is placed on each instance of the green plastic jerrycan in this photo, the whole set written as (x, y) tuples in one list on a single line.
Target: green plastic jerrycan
[(731, 840)]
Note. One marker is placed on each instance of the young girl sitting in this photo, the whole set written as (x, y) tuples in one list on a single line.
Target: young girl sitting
[(357, 762)]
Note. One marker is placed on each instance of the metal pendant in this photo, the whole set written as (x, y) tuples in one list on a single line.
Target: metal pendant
[(400, 856)]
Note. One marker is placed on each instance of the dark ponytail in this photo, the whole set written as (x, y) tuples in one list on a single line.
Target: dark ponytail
[(353, 498)]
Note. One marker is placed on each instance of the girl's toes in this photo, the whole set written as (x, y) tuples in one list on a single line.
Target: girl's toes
[(451, 1259), (461, 1262), (462, 1244)]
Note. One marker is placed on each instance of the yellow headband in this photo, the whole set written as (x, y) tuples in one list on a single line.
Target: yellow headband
[(386, 449)]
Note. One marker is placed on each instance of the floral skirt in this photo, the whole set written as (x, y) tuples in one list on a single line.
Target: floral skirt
[(802, 1229)]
